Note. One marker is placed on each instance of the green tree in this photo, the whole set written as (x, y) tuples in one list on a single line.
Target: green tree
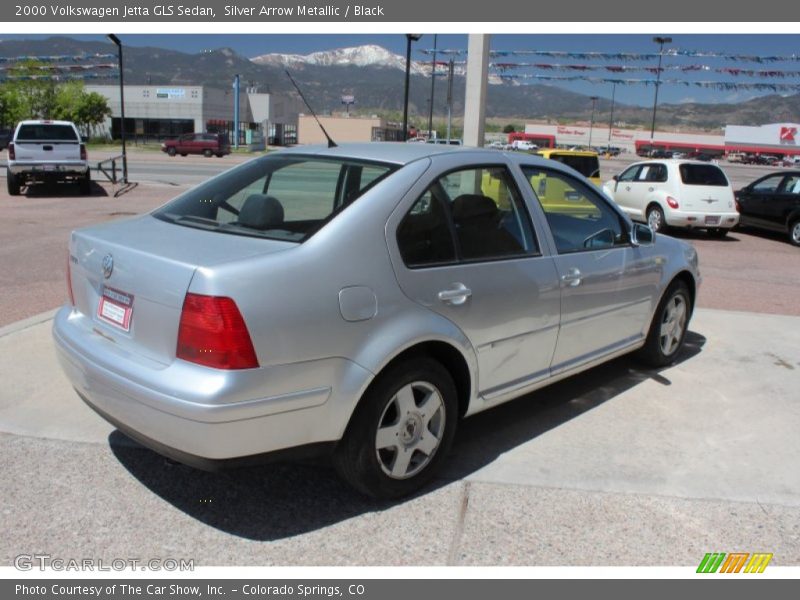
[(12, 109), (93, 109), (510, 128)]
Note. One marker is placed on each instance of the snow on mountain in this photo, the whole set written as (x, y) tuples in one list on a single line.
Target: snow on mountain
[(360, 56)]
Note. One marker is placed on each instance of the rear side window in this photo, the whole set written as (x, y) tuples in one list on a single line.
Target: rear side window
[(46, 132), (588, 166), (702, 175)]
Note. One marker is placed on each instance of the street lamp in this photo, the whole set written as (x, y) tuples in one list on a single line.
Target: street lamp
[(611, 118), (660, 41), (118, 43), (433, 85), (591, 121), (410, 37)]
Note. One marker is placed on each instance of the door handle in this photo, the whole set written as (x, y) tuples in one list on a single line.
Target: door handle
[(457, 295), (572, 277)]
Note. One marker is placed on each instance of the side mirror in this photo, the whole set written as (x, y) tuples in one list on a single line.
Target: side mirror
[(84, 138), (615, 177), (642, 235)]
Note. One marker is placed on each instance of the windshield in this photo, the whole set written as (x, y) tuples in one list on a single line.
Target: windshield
[(287, 197)]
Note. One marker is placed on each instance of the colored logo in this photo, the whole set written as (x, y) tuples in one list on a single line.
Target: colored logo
[(734, 562), (787, 134)]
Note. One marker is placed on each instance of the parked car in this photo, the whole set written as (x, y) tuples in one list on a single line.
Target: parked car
[(496, 145), (676, 193), (360, 300), (584, 162), (523, 145), (207, 144), (661, 154), (773, 203), (737, 157), (445, 141), (47, 151)]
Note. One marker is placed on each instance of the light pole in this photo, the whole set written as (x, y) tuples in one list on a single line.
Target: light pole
[(611, 118), (118, 43), (433, 85), (591, 120), (660, 41), (410, 37)]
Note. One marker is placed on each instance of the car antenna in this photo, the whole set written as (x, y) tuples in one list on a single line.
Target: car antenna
[(331, 143)]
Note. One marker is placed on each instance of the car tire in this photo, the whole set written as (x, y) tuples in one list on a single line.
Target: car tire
[(85, 184), (172, 151), (13, 184), (656, 219), (668, 328), (184, 154), (794, 233), (717, 232), (387, 454), (208, 153)]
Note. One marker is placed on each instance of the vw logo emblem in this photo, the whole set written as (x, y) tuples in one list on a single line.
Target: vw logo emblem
[(108, 265)]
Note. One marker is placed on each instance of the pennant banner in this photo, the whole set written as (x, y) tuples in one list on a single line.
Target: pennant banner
[(628, 56), (57, 58), (719, 85)]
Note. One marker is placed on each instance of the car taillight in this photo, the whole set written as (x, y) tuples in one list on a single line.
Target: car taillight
[(69, 282), (84, 155), (672, 202), (12, 155), (213, 333), (736, 205)]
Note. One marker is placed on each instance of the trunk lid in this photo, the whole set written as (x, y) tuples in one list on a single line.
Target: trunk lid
[(130, 278)]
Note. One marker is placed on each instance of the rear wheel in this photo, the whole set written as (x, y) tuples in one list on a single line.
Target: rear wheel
[(85, 184), (794, 233), (401, 431), (656, 219), (717, 232), (668, 329), (208, 153), (13, 183), (172, 151)]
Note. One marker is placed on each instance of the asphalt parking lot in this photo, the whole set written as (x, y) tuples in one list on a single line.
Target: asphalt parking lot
[(618, 466)]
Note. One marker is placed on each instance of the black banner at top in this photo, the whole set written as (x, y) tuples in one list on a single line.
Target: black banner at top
[(391, 11)]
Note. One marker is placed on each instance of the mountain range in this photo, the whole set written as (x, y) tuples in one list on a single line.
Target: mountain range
[(375, 75)]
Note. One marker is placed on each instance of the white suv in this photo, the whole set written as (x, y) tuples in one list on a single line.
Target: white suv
[(676, 193), (42, 150)]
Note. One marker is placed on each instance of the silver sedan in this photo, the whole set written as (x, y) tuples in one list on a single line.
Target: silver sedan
[(360, 300)]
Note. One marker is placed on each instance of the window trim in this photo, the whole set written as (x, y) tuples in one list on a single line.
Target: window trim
[(459, 260)]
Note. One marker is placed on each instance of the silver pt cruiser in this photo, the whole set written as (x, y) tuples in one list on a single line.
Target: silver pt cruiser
[(360, 300)]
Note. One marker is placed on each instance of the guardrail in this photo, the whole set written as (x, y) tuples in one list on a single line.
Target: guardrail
[(108, 168)]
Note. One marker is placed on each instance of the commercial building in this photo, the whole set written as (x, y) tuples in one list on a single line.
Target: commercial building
[(774, 138), (154, 113), (343, 128)]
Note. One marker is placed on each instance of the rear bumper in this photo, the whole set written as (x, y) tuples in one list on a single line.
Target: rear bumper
[(724, 220), (204, 416), (45, 170)]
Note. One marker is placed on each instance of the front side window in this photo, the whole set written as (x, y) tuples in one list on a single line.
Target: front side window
[(278, 197), (630, 173), (578, 217), (469, 215), (791, 185)]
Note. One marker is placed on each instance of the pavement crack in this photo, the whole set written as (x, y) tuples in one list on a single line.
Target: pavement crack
[(455, 545)]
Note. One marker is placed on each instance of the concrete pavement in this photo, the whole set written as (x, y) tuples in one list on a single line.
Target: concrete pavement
[(617, 466)]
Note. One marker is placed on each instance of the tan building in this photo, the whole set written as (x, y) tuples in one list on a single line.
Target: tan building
[(346, 129)]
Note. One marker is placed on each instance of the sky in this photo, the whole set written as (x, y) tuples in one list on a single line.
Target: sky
[(756, 45)]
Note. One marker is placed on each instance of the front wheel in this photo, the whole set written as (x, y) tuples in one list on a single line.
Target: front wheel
[(401, 431), (668, 329), (656, 219), (208, 153), (172, 151), (794, 233)]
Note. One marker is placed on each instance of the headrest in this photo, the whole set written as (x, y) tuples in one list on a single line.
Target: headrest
[(470, 206), (261, 212)]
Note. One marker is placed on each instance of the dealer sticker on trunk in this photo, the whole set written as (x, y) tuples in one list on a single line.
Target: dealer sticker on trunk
[(116, 308)]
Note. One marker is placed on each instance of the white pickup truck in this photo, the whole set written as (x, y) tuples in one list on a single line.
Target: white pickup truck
[(47, 151)]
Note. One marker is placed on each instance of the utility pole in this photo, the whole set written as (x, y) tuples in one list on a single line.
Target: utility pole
[(591, 120), (433, 85), (660, 41)]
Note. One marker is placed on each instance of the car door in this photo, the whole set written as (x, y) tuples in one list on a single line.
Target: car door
[(625, 192), (787, 199), (464, 247), (755, 199), (608, 285)]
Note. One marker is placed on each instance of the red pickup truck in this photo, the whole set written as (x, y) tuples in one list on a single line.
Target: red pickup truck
[(207, 144)]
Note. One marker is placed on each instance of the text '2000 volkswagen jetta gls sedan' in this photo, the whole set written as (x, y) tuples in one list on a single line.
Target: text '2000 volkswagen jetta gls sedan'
[(360, 300)]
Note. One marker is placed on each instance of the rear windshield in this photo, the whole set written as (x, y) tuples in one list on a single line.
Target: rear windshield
[(286, 198), (702, 175), (588, 166), (46, 132)]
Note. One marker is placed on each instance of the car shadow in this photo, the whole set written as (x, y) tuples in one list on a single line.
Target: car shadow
[(701, 234), (277, 501), (63, 189)]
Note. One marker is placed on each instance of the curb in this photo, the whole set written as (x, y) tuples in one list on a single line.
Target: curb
[(29, 322)]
